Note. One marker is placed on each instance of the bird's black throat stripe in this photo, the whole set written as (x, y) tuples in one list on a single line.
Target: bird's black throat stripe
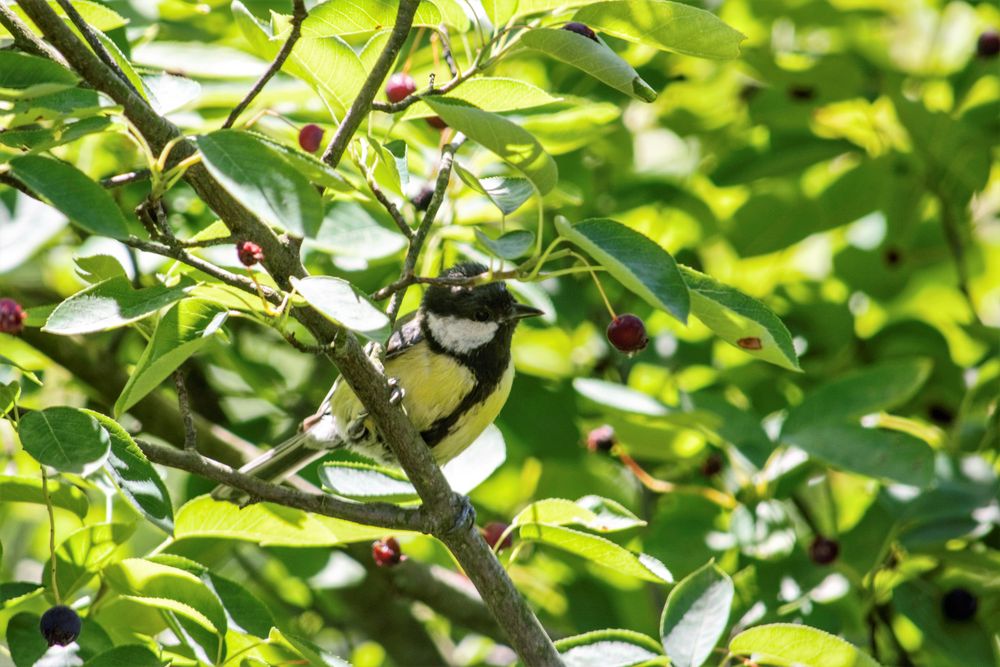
[(488, 365)]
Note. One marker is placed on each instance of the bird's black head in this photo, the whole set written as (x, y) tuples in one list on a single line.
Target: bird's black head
[(463, 319)]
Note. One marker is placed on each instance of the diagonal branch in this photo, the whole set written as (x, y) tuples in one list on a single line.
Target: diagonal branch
[(24, 38), (94, 41), (299, 14), (363, 102)]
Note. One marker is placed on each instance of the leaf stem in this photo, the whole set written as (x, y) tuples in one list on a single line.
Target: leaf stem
[(52, 535)]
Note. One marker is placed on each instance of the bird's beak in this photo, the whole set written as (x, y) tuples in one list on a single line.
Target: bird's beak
[(522, 311)]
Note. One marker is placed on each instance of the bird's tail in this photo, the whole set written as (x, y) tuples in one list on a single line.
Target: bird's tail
[(276, 465)]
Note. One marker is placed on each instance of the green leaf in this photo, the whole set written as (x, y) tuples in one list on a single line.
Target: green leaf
[(696, 614), (350, 231), (135, 476), (785, 645), (332, 68), (84, 552), (279, 195), (340, 302), (499, 11), (596, 59), (572, 128), (511, 245), (71, 191), (15, 489), (464, 473), (877, 453), (634, 260), (127, 655), (592, 512), (24, 640), (9, 393), (351, 17), (95, 14), (859, 393), (96, 268), (503, 137), (266, 524), (167, 588), (109, 305), (608, 648), (496, 94), (671, 26), (597, 550), (740, 320), (23, 76), (506, 192), (308, 165), (15, 592), (180, 333), (313, 654), (620, 398), (68, 439)]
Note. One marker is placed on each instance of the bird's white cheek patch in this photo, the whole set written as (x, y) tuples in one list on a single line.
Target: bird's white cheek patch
[(460, 335)]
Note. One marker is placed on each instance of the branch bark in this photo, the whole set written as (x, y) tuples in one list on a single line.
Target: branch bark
[(449, 516)]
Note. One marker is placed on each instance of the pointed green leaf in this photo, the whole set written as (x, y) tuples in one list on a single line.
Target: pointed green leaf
[(340, 302), (84, 552), (695, 616), (592, 512), (279, 195), (503, 137), (127, 655), (664, 25), (111, 304), (332, 68), (496, 94), (859, 393), (349, 230), (609, 648), (135, 476), (23, 76), (788, 645), (596, 59), (511, 245), (180, 333), (634, 260), (73, 193), (597, 550), (351, 17), (740, 320), (68, 439)]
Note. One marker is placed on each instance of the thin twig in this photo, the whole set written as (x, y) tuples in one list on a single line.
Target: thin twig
[(184, 403), (7, 179), (127, 178), (24, 38), (299, 14), (383, 199), (363, 102), (418, 238), (52, 534), (90, 35), (384, 515), (449, 59)]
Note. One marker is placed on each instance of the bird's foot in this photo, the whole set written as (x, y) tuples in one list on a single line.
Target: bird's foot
[(396, 391), (465, 515)]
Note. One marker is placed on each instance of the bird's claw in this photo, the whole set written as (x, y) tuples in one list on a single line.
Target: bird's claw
[(396, 392), (465, 514)]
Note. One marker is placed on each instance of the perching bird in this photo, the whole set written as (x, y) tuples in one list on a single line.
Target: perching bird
[(451, 361)]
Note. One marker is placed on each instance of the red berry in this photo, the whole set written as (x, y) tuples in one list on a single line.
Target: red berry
[(310, 137), (959, 604), (628, 333), (60, 625), (581, 29), (387, 552), (601, 439), (249, 253), (492, 532), (399, 86), (436, 122), (12, 316), (988, 45), (823, 550)]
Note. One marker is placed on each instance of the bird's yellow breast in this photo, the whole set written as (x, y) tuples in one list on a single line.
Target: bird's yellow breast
[(434, 386)]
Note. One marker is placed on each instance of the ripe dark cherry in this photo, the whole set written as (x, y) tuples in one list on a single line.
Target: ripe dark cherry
[(581, 29), (628, 333), (712, 465), (601, 439), (988, 44), (310, 137), (823, 550), (60, 625), (437, 123), (492, 532), (959, 604), (387, 552), (422, 199), (399, 86), (12, 316), (249, 253)]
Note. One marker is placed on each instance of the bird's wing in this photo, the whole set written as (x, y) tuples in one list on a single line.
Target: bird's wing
[(406, 335)]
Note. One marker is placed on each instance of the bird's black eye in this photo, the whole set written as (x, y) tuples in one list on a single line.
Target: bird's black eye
[(482, 315)]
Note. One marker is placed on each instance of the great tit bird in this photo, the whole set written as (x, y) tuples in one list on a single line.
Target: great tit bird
[(451, 361)]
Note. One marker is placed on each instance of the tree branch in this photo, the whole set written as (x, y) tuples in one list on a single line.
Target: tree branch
[(24, 38), (125, 179), (363, 102), (383, 515), (299, 14), (94, 41)]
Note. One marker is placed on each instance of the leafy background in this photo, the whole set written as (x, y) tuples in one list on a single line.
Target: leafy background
[(841, 170)]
